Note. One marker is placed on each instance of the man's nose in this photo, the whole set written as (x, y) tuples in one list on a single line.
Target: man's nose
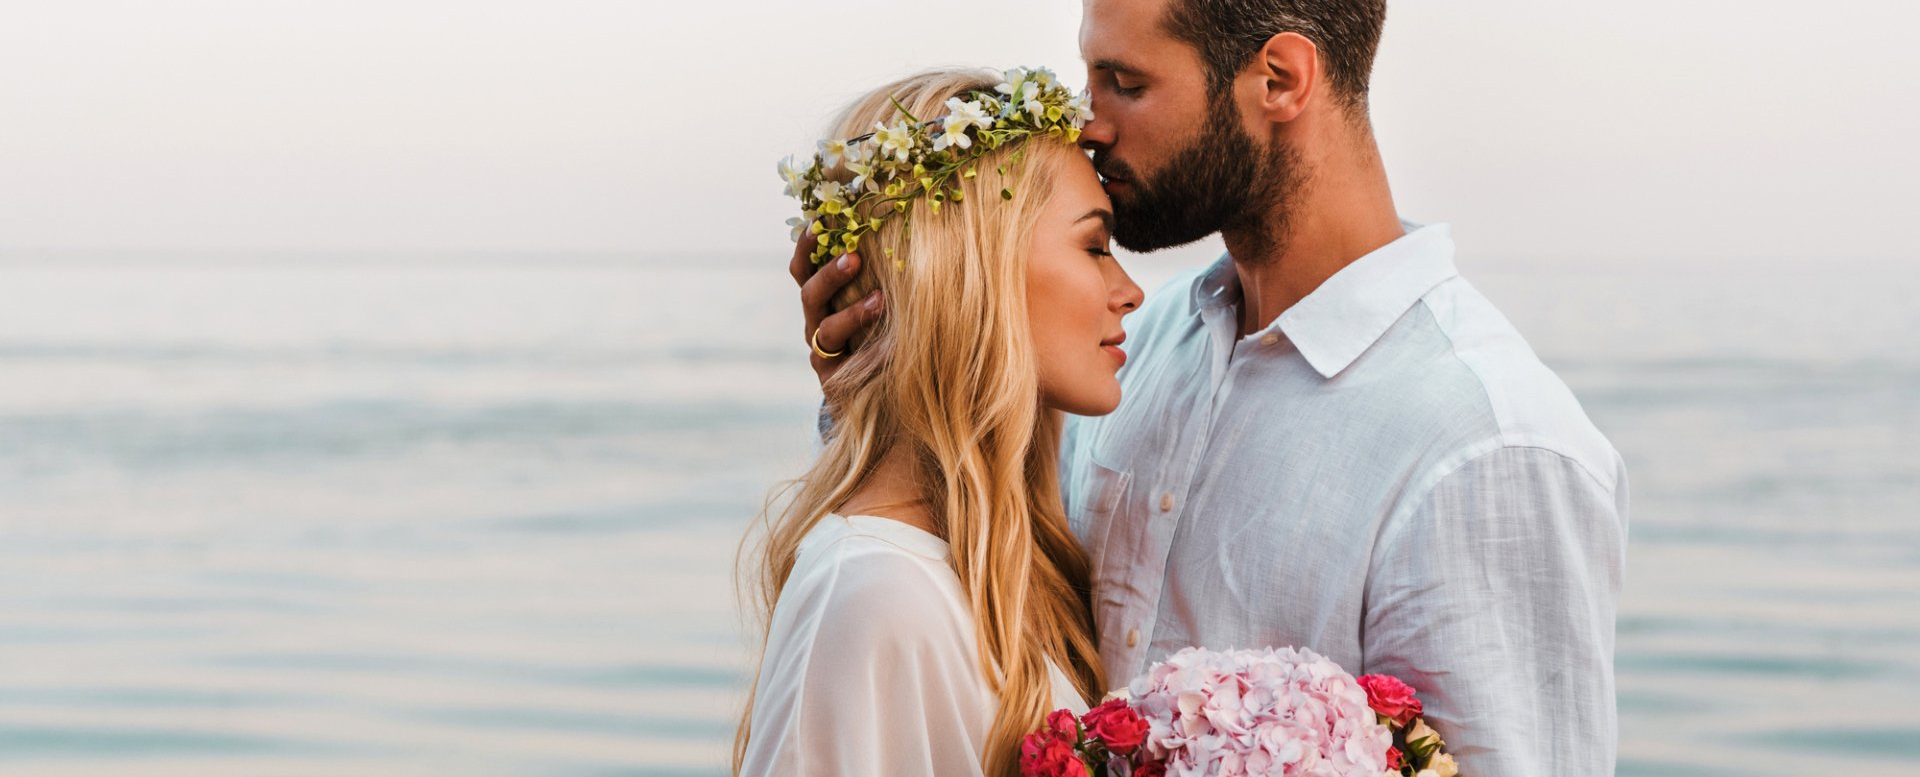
[(1098, 133)]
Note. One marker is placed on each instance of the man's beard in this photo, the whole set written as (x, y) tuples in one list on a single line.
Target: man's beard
[(1222, 180)]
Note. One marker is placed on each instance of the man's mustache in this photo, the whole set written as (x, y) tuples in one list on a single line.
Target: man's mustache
[(1112, 169)]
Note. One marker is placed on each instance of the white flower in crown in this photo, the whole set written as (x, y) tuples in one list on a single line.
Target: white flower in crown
[(862, 175), (961, 114), (896, 140), (1043, 76), (831, 194), (832, 151), (858, 159), (795, 175), (1023, 88), (951, 138), (859, 151), (1028, 96), (799, 224), (1010, 80), (1080, 109)]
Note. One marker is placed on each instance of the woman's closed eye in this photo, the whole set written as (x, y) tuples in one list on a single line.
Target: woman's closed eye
[(1097, 226)]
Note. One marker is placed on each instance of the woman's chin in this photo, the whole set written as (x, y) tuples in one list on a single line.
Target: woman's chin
[(1094, 402)]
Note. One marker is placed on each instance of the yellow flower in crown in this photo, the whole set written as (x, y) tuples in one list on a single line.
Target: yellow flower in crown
[(909, 159)]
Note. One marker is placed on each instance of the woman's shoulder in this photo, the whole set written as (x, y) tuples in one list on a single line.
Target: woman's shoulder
[(845, 536), (869, 666), (852, 568)]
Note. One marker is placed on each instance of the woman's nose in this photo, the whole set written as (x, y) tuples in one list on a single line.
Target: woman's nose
[(1130, 296)]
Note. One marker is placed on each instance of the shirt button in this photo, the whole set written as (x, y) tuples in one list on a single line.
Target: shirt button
[(1270, 339), (1133, 637), (1166, 502)]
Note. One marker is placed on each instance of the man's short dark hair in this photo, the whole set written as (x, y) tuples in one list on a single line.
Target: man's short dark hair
[(1227, 33)]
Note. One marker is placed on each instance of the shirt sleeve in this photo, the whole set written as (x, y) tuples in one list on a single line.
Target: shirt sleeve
[(867, 674), (1495, 598)]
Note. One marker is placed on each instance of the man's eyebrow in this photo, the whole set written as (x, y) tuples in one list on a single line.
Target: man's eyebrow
[(1105, 216), (1116, 66)]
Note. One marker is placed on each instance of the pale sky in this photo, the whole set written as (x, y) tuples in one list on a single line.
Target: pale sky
[(1633, 129)]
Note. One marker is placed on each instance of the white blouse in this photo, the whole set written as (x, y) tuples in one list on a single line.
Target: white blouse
[(870, 668)]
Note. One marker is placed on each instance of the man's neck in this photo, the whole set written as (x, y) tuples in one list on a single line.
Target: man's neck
[(1344, 211)]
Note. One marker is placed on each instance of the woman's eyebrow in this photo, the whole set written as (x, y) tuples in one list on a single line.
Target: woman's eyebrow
[(1105, 216)]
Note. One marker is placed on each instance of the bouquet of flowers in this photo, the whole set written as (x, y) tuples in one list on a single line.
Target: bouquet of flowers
[(1284, 713)]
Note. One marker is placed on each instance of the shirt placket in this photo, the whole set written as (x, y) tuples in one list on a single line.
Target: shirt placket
[(1171, 492)]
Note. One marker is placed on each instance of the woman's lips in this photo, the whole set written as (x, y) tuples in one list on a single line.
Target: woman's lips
[(1112, 346)]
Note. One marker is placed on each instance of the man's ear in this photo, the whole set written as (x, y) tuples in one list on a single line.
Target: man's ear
[(1288, 74)]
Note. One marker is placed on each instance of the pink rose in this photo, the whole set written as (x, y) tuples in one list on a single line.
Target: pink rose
[(1117, 726), (1391, 698), (1044, 755)]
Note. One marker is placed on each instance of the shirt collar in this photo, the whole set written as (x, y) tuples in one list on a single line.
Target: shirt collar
[(1349, 312)]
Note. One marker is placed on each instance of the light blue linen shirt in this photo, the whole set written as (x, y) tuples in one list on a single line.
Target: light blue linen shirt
[(1387, 475)]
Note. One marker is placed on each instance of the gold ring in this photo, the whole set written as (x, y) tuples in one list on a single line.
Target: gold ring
[(815, 339)]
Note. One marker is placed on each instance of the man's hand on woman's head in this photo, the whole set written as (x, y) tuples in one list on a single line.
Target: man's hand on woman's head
[(827, 331)]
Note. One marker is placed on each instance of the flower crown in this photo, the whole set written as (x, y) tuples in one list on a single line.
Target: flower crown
[(895, 164)]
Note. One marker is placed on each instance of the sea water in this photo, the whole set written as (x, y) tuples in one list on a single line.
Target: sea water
[(406, 515)]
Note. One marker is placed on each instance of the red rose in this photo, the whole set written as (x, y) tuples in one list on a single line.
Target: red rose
[(1394, 759), (1391, 698), (1044, 755), (1117, 726), (1151, 769), (1030, 746), (1064, 726)]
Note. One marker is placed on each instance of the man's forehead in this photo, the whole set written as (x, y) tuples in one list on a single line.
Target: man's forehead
[(1110, 28)]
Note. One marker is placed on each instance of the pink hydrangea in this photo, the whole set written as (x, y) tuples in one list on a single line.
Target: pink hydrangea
[(1279, 713)]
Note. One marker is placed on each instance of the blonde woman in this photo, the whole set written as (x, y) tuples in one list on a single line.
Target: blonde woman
[(925, 602)]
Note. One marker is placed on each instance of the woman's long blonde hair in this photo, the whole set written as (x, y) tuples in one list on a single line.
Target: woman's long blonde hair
[(949, 373)]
